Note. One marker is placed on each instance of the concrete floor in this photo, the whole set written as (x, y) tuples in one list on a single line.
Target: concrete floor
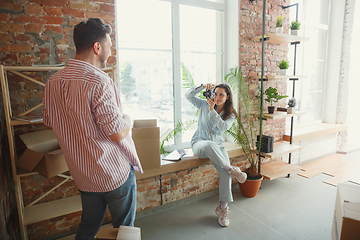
[(285, 208)]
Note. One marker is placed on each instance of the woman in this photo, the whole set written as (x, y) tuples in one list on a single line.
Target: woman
[(215, 117)]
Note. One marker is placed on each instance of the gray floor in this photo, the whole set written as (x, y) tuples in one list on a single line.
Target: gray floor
[(285, 208)]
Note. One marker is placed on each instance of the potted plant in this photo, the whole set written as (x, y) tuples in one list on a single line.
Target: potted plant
[(295, 26), (272, 96), (279, 22), (243, 132), (291, 103), (284, 65)]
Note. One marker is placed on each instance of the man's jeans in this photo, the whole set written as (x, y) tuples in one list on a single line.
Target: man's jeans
[(121, 202)]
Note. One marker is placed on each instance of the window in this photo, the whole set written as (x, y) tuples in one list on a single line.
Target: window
[(311, 59), (154, 40)]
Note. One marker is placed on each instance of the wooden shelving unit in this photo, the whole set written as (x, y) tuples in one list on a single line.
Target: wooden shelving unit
[(34, 212), (277, 169)]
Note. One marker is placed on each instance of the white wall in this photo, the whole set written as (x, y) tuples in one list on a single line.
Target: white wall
[(349, 84)]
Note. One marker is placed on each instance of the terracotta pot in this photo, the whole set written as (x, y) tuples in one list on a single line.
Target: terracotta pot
[(250, 187)]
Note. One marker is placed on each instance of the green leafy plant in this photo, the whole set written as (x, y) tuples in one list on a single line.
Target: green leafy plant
[(292, 102), (295, 25), (180, 127), (243, 129), (279, 20), (284, 64), (272, 96)]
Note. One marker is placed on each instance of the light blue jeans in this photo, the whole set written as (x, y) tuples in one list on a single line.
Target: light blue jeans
[(219, 158), (121, 202)]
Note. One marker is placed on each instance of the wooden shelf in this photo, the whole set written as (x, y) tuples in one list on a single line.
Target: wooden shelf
[(281, 38), (44, 211), (18, 122), (282, 148), (279, 76), (314, 130), (277, 169), (280, 115)]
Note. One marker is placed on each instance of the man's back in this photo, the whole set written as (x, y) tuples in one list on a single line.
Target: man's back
[(83, 109)]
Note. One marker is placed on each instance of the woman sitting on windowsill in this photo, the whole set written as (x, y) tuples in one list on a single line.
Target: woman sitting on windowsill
[(216, 115)]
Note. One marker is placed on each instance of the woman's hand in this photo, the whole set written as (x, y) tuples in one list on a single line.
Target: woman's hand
[(209, 86), (211, 104)]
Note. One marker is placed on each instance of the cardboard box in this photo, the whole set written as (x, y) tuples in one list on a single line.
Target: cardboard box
[(146, 136), (122, 233), (43, 154), (346, 222)]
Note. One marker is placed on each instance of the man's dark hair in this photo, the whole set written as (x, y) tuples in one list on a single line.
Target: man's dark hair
[(89, 32)]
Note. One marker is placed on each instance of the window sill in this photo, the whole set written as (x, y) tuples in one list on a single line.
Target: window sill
[(169, 167)]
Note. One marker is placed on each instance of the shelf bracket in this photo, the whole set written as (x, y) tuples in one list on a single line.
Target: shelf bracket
[(265, 39)]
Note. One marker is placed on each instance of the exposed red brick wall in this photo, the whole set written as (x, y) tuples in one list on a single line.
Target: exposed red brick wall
[(250, 56), (40, 31)]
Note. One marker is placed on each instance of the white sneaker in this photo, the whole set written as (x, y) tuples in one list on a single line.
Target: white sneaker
[(238, 174), (223, 216)]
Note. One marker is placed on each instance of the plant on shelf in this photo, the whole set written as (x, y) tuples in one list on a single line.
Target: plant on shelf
[(295, 26), (279, 23), (272, 96), (291, 103), (284, 65)]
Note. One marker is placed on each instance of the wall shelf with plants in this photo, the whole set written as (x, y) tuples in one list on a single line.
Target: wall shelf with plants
[(279, 168)]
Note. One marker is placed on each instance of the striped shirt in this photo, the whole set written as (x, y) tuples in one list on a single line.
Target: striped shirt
[(83, 108)]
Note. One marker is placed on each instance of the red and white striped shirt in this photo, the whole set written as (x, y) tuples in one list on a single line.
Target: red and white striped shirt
[(83, 108)]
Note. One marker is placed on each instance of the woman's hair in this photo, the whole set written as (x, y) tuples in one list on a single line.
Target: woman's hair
[(228, 106), (89, 32)]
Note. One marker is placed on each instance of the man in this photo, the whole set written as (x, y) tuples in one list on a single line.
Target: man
[(83, 108)]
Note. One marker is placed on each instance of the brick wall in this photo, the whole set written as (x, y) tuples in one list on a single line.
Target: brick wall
[(250, 56)]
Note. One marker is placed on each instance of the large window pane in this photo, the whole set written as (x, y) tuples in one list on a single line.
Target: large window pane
[(144, 24), (146, 85), (201, 51), (199, 29), (149, 55)]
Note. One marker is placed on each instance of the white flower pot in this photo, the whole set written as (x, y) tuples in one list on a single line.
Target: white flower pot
[(283, 71), (294, 32), (291, 110), (279, 29)]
